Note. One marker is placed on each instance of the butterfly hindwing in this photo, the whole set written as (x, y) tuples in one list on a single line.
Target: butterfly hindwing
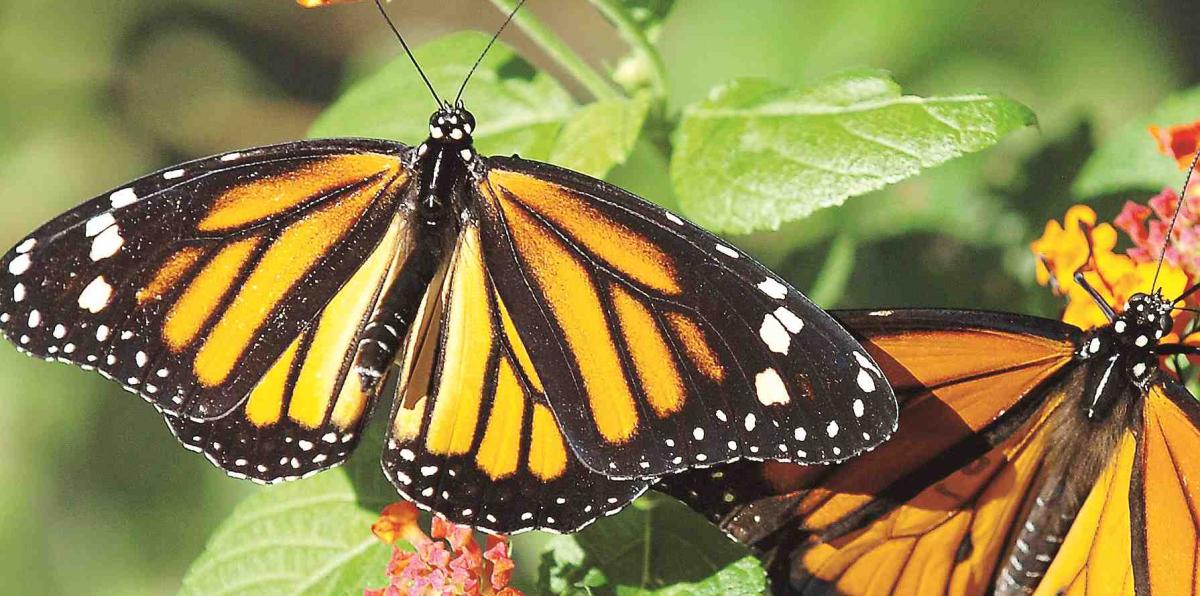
[(1165, 504), (187, 285), (1137, 531), (472, 435), (660, 346)]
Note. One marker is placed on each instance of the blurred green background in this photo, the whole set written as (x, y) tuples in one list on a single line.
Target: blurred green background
[(95, 497)]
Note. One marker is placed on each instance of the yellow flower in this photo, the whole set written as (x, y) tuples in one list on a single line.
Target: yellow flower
[(1080, 245)]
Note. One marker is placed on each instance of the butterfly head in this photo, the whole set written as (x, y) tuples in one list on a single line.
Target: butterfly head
[(1146, 319), (451, 125)]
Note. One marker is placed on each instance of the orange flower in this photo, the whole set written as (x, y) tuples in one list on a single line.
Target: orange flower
[(1180, 142), (1079, 245), (435, 570)]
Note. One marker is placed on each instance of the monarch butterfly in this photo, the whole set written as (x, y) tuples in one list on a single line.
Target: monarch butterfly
[(1032, 456), (555, 342)]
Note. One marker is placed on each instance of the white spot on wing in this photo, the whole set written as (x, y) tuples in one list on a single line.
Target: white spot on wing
[(789, 319), (773, 288), (173, 174), (865, 382), (865, 362), (859, 408), (832, 429), (673, 218), (98, 224), (727, 250), (107, 243), (20, 264), (750, 422), (18, 292), (774, 335), (26, 246), (230, 156), (122, 197), (35, 318), (94, 299), (698, 433), (770, 388)]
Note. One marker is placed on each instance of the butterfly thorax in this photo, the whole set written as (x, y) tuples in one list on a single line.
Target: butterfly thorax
[(1124, 353), (443, 160)]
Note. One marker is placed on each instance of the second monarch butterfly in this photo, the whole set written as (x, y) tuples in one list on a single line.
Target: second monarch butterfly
[(558, 343), (1032, 456)]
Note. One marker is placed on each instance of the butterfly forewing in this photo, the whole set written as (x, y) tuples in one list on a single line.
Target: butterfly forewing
[(187, 285), (472, 435), (307, 412), (661, 347)]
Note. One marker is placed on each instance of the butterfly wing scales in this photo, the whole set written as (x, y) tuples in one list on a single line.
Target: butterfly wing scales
[(307, 412), (185, 286), (472, 436), (971, 427), (1095, 554), (685, 352), (1165, 502)]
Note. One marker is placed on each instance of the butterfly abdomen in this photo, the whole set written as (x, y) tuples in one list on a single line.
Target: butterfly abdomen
[(393, 317), (1038, 539), (1082, 440)]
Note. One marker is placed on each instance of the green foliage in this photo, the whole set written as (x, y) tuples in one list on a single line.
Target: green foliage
[(309, 537), (658, 546), (756, 154), (600, 135), (1129, 161)]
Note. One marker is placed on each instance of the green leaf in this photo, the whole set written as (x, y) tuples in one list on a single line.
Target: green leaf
[(658, 546), (1130, 160), (306, 537), (601, 135), (756, 154), (518, 109)]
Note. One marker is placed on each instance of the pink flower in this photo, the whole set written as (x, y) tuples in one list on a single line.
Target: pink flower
[(1146, 226), (447, 561)]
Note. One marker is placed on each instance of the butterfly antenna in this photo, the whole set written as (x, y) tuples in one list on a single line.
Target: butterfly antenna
[(1174, 216), (382, 11), (485, 50)]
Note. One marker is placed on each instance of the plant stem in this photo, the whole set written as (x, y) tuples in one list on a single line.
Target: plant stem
[(553, 45), (635, 37), (835, 273)]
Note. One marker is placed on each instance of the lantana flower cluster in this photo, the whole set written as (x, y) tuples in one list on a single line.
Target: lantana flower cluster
[(448, 561), (1081, 244)]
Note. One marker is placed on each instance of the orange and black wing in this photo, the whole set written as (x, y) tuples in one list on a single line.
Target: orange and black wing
[(931, 510), (231, 292), (472, 434), (1139, 528), (659, 346)]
